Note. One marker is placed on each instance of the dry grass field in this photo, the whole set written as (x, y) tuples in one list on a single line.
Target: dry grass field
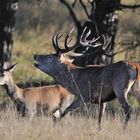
[(13, 127)]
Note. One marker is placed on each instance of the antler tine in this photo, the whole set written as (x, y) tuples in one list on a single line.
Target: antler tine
[(67, 37), (70, 40), (55, 40), (106, 42), (83, 38), (86, 35), (110, 54), (96, 44), (88, 43), (69, 50), (107, 47), (67, 42), (55, 45)]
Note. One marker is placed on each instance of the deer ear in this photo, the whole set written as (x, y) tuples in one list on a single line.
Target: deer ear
[(12, 67)]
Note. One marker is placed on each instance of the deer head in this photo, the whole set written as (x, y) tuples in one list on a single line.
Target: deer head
[(49, 64), (5, 74)]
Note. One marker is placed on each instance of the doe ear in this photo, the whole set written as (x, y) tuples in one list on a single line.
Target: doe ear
[(11, 68)]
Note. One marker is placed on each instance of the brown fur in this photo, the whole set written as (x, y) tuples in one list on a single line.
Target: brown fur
[(66, 61), (52, 96)]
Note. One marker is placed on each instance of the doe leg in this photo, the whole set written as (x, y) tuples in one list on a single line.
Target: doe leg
[(66, 103), (32, 110), (58, 114)]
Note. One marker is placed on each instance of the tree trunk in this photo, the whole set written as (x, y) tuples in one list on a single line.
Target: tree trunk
[(8, 10)]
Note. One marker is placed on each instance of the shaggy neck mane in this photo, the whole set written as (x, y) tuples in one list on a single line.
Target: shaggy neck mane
[(66, 78)]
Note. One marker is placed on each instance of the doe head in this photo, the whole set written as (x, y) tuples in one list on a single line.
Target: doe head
[(5, 73)]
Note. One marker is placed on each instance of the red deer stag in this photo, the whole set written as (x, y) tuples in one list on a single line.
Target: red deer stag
[(53, 97), (97, 83), (68, 55)]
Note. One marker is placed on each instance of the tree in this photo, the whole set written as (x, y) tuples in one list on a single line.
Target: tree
[(102, 20), (8, 10)]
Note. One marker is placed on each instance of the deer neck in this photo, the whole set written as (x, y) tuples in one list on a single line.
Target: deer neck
[(13, 91), (67, 79)]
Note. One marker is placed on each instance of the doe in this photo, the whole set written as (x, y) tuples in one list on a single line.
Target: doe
[(52, 97)]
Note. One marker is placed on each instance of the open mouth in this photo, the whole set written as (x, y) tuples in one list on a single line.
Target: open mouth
[(36, 64)]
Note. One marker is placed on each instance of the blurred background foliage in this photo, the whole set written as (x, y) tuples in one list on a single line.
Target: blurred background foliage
[(37, 22)]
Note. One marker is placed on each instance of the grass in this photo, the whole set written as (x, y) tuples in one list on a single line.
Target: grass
[(70, 128), (23, 53)]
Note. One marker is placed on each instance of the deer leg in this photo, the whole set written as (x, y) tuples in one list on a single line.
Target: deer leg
[(21, 110), (126, 107), (122, 98), (32, 110), (137, 91), (56, 115), (73, 106), (121, 90), (102, 107), (66, 103)]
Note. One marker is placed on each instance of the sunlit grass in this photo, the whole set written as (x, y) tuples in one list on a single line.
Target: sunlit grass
[(70, 128)]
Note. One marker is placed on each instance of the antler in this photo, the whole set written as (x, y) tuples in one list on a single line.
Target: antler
[(55, 42), (67, 48), (104, 48), (89, 43), (107, 47)]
